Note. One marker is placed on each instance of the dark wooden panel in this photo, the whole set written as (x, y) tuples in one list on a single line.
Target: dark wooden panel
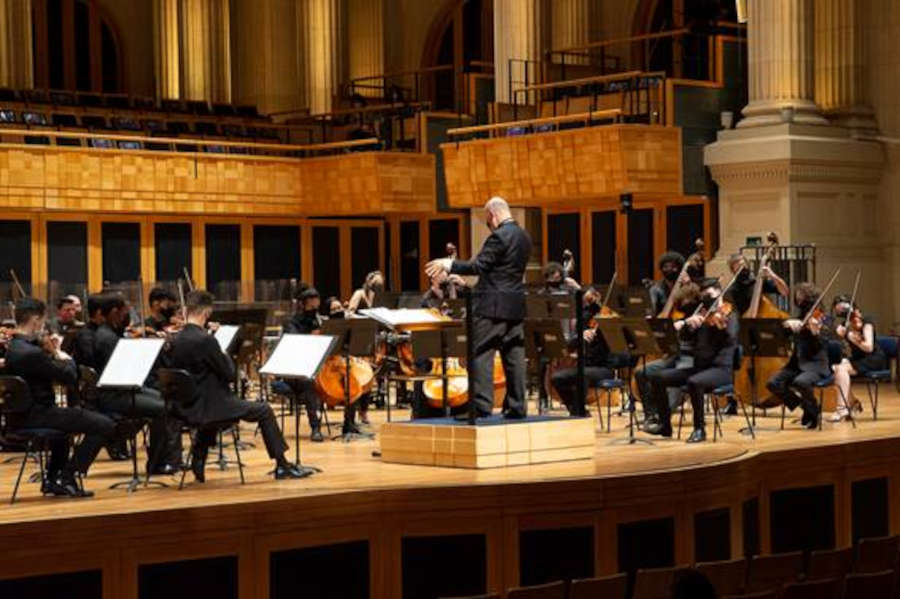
[(558, 554), (214, 577), (684, 225), (276, 260), (640, 246), (440, 232), (409, 256), (121, 244), (327, 260), (364, 253), (15, 254), (603, 246), (67, 256), (564, 233), (712, 535), (802, 519), (326, 572), (870, 501), (223, 261), (750, 524), (646, 544), (74, 585), (173, 250), (448, 566)]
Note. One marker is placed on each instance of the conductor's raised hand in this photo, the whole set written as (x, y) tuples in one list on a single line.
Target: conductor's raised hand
[(438, 266)]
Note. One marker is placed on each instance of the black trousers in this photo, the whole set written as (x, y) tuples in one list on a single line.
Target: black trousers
[(699, 383), (565, 381), (96, 428), (642, 378), (165, 433), (507, 337), (795, 387), (305, 392), (247, 411)]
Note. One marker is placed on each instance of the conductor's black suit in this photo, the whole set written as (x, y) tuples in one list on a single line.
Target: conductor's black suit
[(498, 311)]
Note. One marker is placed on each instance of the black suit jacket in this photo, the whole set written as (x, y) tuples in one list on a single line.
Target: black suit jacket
[(39, 369), (199, 353), (714, 347), (83, 347), (500, 266), (300, 324), (810, 353)]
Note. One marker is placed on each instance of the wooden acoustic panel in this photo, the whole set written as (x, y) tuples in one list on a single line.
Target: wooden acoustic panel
[(54, 178), (569, 167)]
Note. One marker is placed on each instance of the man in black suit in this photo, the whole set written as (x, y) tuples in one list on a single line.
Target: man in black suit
[(41, 369), (498, 308), (197, 352)]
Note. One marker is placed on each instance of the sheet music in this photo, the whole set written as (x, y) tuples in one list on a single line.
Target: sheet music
[(131, 362), (225, 335), (403, 316), (298, 355)]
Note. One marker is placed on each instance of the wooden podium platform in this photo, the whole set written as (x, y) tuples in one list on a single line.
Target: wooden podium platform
[(493, 443)]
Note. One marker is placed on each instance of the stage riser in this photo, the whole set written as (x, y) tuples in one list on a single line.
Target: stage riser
[(373, 541)]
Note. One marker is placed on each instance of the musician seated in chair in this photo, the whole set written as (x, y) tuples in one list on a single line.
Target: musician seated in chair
[(162, 308), (741, 293), (598, 361), (197, 352), (305, 321), (862, 355), (808, 363), (557, 281), (42, 364), (715, 340)]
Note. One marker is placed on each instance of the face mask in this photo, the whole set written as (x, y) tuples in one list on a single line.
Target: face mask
[(592, 309), (670, 275), (804, 304), (555, 284), (311, 313), (744, 275), (167, 313), (707, 301), (338, 315)]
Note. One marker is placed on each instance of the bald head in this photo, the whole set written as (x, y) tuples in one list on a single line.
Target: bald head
[(496, 211)]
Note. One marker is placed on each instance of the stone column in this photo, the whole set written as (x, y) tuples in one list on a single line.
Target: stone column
[(780, 49), (840, 72), (365, 41), (266, 66), (166, 48), (16, 62), (517, 35), (570, 24), (321, 61)]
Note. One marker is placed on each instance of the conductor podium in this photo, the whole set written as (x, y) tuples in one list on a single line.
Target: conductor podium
[(493, 442)]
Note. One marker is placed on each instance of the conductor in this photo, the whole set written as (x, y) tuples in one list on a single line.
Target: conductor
[(498, 308)]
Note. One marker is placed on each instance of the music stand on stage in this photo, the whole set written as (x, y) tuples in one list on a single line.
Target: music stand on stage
[(544, 341), (127, 370), (299, 357), (355, 336), (440, 344), (761, 338), (632, 337)]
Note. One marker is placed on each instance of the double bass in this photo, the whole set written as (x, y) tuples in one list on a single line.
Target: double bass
[(745, 386)]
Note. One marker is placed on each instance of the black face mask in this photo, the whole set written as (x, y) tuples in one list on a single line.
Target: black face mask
[(689, 307), (167, 313), (339, 315), (311, 313), (555, 284), (592, 309), (670, 275), (805, 305), (743, 275), (707, 301)]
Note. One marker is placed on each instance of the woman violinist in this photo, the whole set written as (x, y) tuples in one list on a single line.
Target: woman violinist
[(865, 356), (364, 297)]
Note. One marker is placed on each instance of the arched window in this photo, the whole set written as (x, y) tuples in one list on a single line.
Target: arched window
[(76, 47)]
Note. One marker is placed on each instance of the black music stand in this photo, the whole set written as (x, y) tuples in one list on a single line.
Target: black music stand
[(632, 337), (439, 344), (761, 338), (544, 341), (634, 302), (299, 357), (665, 334), (127, 370), (355, 336)]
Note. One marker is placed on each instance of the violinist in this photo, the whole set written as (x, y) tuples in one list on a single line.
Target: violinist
[(364, 297), (865, 356), (42, 366), (715, 330), (65, 321), (741, 294), (335, 307), (305, 321), (598, 361), (164, 453), (670, 265), (194, 350), (163, 306), (557, 281), (83, 347), (808, 363), (443, 287)]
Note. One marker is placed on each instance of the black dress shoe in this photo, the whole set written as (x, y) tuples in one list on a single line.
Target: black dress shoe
[(316, 436), (731, 408), (166, 470), (658, 428), (285, 471), (698, 436), (514, 415), (65, 487), (198, 467)]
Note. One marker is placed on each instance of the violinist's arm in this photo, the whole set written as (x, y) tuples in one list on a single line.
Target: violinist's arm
[(866, 341), (780, 286), (355, 299)]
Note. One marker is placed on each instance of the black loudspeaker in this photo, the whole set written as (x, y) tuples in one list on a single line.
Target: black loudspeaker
[(626, 202)]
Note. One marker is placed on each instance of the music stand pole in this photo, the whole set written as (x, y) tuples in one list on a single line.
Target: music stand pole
[(444, 384), (580, 388), (470, 355)]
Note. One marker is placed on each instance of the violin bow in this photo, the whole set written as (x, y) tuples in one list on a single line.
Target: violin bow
[(187, 278), (141, 307), (18, 285), (819, 300), (181, 298), (853, 298), (721, 297)]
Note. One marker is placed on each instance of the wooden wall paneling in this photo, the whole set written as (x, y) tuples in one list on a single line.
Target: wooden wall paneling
[(19, 564), (198, 253), (247, 266), (95, 254), (346, 260), (586, 241), (306, 252)]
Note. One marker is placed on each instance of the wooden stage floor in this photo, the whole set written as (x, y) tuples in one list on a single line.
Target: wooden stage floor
[(351, 467)]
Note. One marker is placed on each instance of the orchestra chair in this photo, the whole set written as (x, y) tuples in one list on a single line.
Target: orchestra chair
[(835, 356), (607, 386), (552, 590), (281, 388), (717, 394), (728, 577), (15, 398), (829, 563), (607, 587), (830, 588), (890, 345), (654, 583), (177, 388), (768, 572), (869, 585), (874, 378), (876, 554)]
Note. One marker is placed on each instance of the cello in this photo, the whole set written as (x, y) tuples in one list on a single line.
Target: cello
[(748, 387)]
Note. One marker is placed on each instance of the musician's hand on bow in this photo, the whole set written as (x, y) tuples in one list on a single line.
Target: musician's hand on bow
[(695, 321), (589, 335), (571, 283), (814, 325), (766, 272), (438, 266), (793, 324), (840, 330), (684, 278)]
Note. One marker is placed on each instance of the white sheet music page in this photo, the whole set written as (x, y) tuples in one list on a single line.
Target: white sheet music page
[(298, 355), (225, 335), (131, 362), (403, 316)]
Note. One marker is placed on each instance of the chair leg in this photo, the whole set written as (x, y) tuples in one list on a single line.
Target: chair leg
[(237, 451), (21, 471), (783, 411), (821, 405), (189, 463), (740, 401)]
